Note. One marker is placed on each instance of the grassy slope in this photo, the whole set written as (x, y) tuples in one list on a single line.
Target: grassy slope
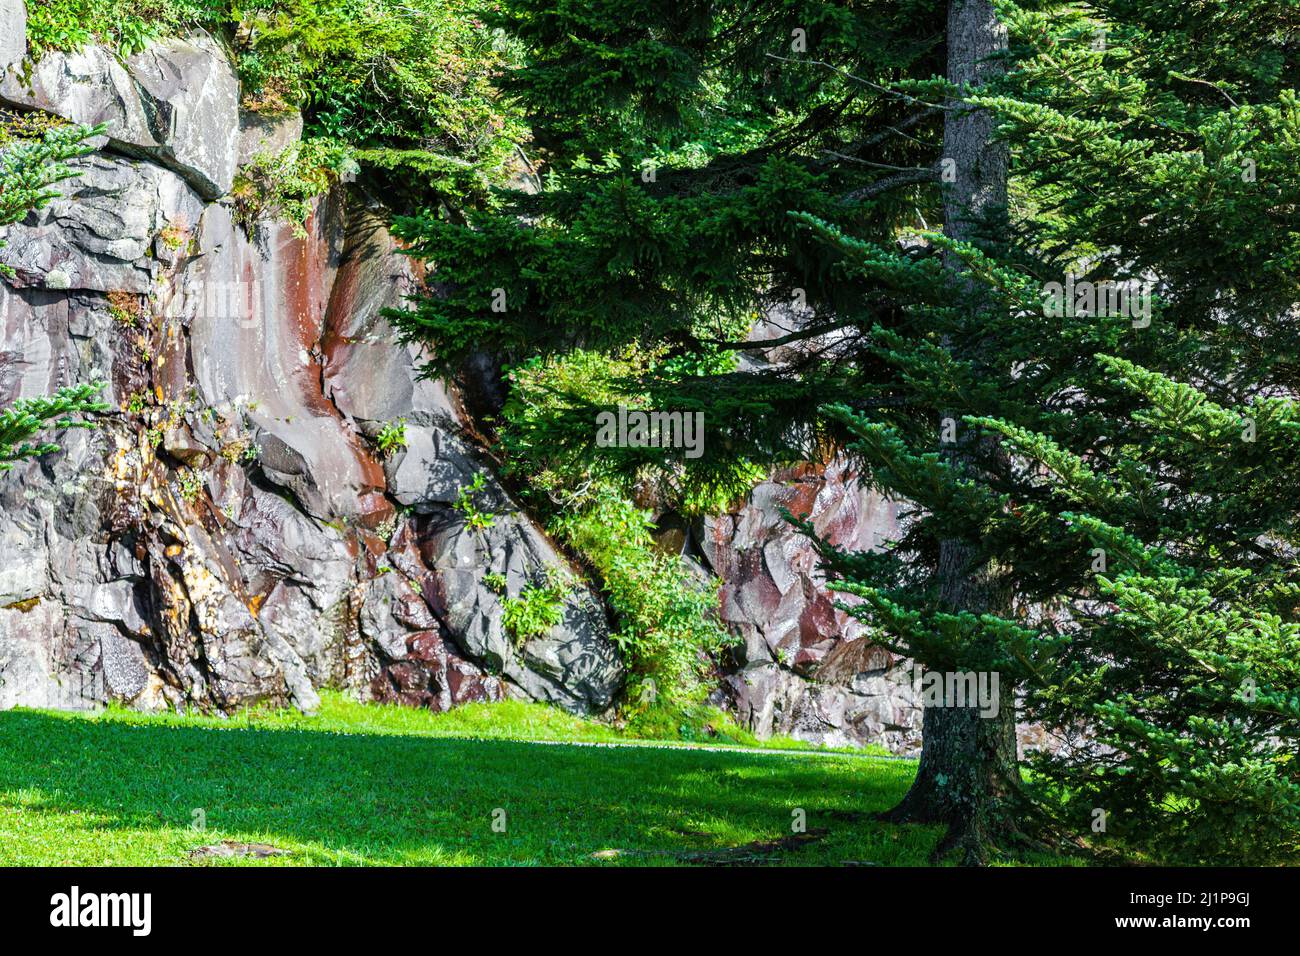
[(378, 785)]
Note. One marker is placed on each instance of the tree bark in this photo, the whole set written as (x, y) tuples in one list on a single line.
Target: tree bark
[(968, 765)]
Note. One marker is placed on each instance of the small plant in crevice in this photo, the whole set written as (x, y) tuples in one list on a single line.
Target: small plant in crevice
[(476, 519), (286, 185), (125, 308), (537, 608), (190, 482), (384, 531), (495, 582), (391, 437), (177, 236)]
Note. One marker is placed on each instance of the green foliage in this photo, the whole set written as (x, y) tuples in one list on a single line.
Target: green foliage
[(391, 437), (669, 633), (549, 426), (675, 150), (669, 630), (29, 167), (475, 518), (406, 83), (190, 484), (537, 607), (26, 417), (287, 184), (1130, 485), (126, 26)]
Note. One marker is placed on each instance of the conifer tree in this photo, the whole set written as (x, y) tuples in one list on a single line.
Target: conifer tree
[(1017, 376), (673, 170), (1135, 489)]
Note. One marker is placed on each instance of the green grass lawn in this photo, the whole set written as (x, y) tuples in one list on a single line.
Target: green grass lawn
[(362, 784)]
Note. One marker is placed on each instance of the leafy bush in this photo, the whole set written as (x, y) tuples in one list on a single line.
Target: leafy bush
[(407, 81), (287, 184), (125, 26), (550, 428), (669, 629), (537, 608)]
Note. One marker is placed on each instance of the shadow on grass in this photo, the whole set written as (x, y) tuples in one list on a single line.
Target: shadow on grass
[(78, 790)]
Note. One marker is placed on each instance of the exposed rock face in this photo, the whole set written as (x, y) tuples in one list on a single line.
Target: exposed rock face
[(809, 671), (231, 534), (13, 31), (176, 103)]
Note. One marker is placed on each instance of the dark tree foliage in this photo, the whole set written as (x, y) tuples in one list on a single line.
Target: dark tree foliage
[(1110, 459)]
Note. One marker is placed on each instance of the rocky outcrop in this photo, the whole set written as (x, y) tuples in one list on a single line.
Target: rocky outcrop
[(232, 533), (809, 670), (176, 103)]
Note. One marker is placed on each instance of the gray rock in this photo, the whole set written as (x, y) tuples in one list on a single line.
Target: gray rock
[(810, 671), (231, 534), (574, 665), (176, 103), (881, 708), (191, 96), (13, 31), (126, 671), (266, 134), (99, 235)]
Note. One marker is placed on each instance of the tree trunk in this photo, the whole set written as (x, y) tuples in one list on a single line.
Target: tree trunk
[(968, 761)]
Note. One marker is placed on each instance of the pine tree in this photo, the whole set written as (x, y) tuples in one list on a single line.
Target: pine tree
[(1135, 487)]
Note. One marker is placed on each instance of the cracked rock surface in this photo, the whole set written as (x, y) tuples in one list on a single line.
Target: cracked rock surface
[(231, 534)]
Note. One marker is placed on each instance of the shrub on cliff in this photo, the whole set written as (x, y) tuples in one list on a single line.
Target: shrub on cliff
[(669, 632), (29, 170), (406, 83)]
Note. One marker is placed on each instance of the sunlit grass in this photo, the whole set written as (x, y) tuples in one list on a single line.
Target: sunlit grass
[(356, 784)]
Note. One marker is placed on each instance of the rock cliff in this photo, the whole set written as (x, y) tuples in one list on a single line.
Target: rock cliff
[(232, 532)]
